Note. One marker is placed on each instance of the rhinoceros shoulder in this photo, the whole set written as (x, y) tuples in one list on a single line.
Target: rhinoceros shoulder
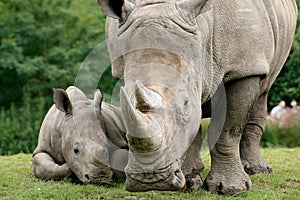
[(50, 137)]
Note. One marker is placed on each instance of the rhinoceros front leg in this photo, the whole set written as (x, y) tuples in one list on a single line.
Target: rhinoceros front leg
[(192, 165), (44, 167), (227, 175), (250, 143)]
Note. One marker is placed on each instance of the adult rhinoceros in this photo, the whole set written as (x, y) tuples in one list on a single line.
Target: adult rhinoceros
[(80, 136), (174, 54)]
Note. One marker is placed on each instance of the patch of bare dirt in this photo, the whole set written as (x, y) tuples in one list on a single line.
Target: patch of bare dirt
[(293, 182)]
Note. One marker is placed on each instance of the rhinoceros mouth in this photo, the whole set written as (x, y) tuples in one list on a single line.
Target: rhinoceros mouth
[(107, 180), (168, 178), (101, 176)]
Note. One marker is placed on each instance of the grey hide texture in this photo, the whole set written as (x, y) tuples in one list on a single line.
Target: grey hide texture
[(173, 55)]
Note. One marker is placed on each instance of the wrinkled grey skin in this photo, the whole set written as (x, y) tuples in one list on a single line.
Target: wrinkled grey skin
[(173, 55), (72, 139)]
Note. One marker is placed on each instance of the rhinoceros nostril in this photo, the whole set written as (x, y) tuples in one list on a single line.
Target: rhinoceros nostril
[(178, 180), (86, 178)]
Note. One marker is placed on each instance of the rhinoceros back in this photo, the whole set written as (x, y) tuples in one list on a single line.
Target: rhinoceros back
[(76, 94), (283, 16), (249, 38)]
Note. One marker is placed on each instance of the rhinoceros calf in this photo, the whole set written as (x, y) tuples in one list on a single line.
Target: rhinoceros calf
[(174, 54), (80, 136)]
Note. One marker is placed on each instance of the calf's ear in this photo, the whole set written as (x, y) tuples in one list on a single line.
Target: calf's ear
[(62, 101), (98, 97), (115, 8)]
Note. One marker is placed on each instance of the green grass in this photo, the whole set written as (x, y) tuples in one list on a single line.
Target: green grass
[(18, 182)]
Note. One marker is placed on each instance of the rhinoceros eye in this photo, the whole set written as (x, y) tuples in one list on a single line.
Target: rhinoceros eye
[(186, 103), (76, 150)]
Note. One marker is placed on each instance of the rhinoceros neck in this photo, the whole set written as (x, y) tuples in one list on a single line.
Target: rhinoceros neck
[(50, 136), (113, 125)]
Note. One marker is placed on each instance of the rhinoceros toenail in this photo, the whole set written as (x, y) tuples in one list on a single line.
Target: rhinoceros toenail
[(247, 185), (220, 186)]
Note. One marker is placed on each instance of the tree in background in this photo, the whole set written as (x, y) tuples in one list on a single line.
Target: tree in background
[(42, 44)]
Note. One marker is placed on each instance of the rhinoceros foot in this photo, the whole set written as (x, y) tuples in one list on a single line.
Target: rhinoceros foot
[(229, 182), (250, 152), (253, 161), (258, 170), (256, 167), (194, 180)]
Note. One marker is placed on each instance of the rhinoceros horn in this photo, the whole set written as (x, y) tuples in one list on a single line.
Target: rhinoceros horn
[(131, 117), (140, 126), (147, 99)]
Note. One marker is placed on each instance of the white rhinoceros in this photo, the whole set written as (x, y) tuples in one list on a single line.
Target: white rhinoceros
[(174, 54), (80, 136)]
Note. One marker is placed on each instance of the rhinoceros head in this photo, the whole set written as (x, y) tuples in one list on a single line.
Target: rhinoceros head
[(157, 44), (84, 143), (161, 122)]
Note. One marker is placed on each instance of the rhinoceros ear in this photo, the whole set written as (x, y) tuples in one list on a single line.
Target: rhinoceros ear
[(62, 101), (196, 6), (98, 97), (115, 8)]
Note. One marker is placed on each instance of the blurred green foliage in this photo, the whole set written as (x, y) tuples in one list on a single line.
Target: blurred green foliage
[(284, 134), (43, 44), (287, 85)]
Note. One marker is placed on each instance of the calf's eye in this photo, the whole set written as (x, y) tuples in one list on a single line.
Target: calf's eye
[(76, 150)]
